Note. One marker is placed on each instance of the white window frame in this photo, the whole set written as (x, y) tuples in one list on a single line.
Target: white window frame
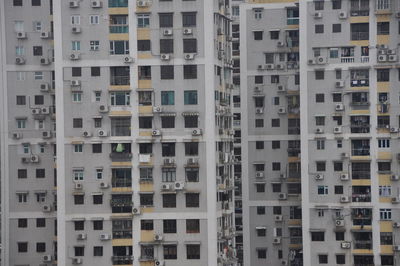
[(78, 175), (94, 45), (75, 45), (78, 148), (19, 50), (383, 4), (21, 123), (94, 19), (19, 25), (75, 20), (76, 97), (385, 191), (37, 26), (26, 148), (383, 143), (320, 144), (21, 75), (99, 173), (385, 214), (38, 75)]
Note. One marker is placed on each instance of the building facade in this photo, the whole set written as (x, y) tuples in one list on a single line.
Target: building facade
[(140, 171)]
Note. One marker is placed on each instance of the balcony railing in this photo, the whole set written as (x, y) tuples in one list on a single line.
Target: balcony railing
[(122, 260), (360, 152), (347, 59), (359, 82), (362, 244), (121, 182), (359, 12), (360, 128), (118, 234), (120, 80), (294, 174), (121, 202), (295, 240), (292, 21), (120, 156), (293, 130), (119, 28), (361, 175), (361, 197)]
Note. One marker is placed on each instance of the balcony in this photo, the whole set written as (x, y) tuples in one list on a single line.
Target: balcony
[(121, 152), (361, 197), (121, 182), (293, 130), (361, 128), (294, 175), (361, 217), (121, 202), (119, 80), (293, 151), (360, 152), (347, 59), (295, 240), (122, 260), (359, 36), (122, 234), (359, 82), (362, 244)]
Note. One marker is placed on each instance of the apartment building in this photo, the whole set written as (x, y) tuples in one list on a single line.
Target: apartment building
[(140, 170), (347, 136)]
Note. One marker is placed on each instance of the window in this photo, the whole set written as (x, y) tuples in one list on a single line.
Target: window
[(258, 79), (385, 191), (118, 3), (22, 173), (190, 71), (77, 97), (188, 19), (317, 236), (261, 232), (337, 166), (40, 173), (166, 20), (190, 45), (277, 210), (77, 122), (319, 4), (79, 251), (167, 98), (169, 226), (383, 28), (386, 238), (338, 190), (319, 97), (274, 34), (193, 252), (167, 121), (120, 98), (168, 174), (258, 13), (94, 46), (169, 200), (260, 210), (97, 251), (76, 71), (79, 225), (78, 175), (40, 247), (143, 45), (17, 2), (340, 259), (22, 223), (75, 45), (94, 19), (191, 121), (167, 72), (119, 47), (339, 236), (190, 97), (145, 98), (78, 199), (192, 174), (259, 145), (166, 46), (320, 120), (191, 148), (383, 75), (275, 122), (170, 252), (322, 190), (146, 225), (97, 96), (22, 197), (146, 200), (383, 143), (336, 28), (192, 226), (97, 225), (22, 247), (320, 144), (319, 74), (259, 123), (262, 253), (336, 4), (260, 188), (143, 20), (78, 147), (321, 166), (258, 35), (120, 126), (274, 79), (276, 188), (192, 200), (37, 50), (97, 148), (276, 166), (276, 144), (323, 259), (97, 199), (385, 214), (319, 28)]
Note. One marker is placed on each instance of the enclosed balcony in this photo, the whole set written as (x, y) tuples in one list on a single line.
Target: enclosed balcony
[(359, 99), (360, 147), (359, 77), (361, 170), (359, 8), (364, 260), (119, 76), (361, 216), (119, 24), (359, 124), (122, 229), (121, 203), (122, 255), (362, 240), (121, 177), (361, 194), (146, 252), (120, 152), (293, 148)]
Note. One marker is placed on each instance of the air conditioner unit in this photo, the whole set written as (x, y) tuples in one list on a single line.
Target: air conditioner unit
[(44, 87), (319, 130), (157, 109), (46, 134), (382, 52), (19, 60), (259, 110), (343, 15), (76, 29), (280, 66), (339, 84), (276, 241), (187, 31), (282, 110), (26, 159), (96, 4), (165, 57), (311, 61), (75, 83), (396, 248), (86, 134), (383, 46), (78, 186), (382, 58), (167, 32), (45, 110), (169, 161), (105, 237), (281, 88), (344, 155), (74, 56), (394, 177), (321, 60), (269, 66), (46, 208), (102, 133), (282, 196), (165, 187), (44, 35), (135, 210), (142, 3), (345, 245), (280, 44), (317, 15), (196, 132), (128, 59), (337, 130), (394, 130), (395, 200), (258, 89), (17, 135), (73, 4), (259, 174), (319, 177), (159, 263), (156, 132), (278, 218), (284, 263), (103, 108), (34, 159), (47, 258), (396, 225), (179, 185), (260, 67), (282, 176), (189, 56), (103, 185), (36, 111), (77, 261), (344, 199), (21, 35), (392, 58), (81, 237), (339, 107), (397, 14), (158, 237), (344, 176), (391, 51), (339, 223)]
